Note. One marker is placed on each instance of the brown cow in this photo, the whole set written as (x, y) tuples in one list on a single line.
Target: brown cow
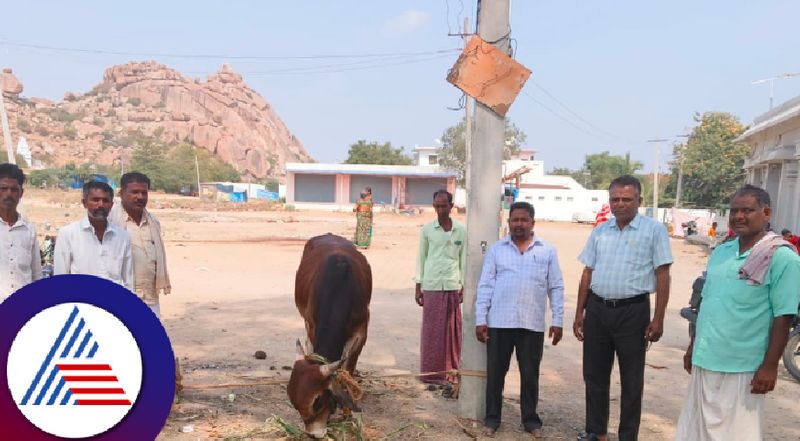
[(332, 291)]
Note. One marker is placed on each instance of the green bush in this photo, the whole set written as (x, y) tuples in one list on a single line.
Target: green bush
[(272, 184), (134, 101), (24, 126), (171, 167), (63, 115), (42, 130), (69, 133)]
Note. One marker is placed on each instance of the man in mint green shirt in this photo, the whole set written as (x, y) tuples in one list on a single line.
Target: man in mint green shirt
[(439, 290), (742, 327)]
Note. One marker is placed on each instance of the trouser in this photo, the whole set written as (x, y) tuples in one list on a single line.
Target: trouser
[(608, 330), (528, 345)]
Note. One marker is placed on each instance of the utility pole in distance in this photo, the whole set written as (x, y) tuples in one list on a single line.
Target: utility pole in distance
[(197, 169), (655, 175), (484, 173), (6, 131), (679, 189)]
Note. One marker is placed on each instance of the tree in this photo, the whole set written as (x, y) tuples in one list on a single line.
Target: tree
[(604, 167), (712, 161), (581, 176), (363, 152), (453, 153), (599, 169), (172, 167)]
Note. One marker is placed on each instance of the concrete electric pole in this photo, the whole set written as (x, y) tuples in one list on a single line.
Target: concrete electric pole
[(483, 206), (655, 175), (679, 189), (6, 131), (467, 104)]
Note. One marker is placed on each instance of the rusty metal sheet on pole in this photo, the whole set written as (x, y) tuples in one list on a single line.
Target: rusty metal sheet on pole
[(489, 75)]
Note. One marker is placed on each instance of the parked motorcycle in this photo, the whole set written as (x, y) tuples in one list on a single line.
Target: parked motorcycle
[(690, 312), (48, 252), (791, 354)]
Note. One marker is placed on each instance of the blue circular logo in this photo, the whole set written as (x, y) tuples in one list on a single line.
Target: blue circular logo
[(83, 358)]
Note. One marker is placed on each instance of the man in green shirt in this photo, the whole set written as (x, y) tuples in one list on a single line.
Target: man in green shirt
[(749, 299), (439, 290)]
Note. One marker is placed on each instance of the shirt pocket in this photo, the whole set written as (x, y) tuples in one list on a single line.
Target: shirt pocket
[(743, 295), (113, 267), (539, 272), (21, 253), (638, 253)]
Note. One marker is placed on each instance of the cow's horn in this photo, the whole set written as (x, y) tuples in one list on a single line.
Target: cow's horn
[(301, 354), (328, 369), (309, 346)]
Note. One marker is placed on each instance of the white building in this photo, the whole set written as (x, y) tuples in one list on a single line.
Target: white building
[(558, 198), (25, 151), (426, 156), (774, 140)]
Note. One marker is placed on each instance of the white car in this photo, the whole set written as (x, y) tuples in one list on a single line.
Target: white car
[(583, 217)]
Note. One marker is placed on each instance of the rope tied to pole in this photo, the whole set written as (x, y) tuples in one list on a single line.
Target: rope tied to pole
[(343, 376)]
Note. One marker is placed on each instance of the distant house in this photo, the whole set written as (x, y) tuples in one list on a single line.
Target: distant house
[(774, 159), (557, 198), (337, 186), (426, 156)]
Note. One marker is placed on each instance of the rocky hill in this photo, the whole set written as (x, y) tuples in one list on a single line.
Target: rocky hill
[(149, 100)]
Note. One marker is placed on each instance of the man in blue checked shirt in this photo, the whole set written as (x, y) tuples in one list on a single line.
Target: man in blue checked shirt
[(520, 275), (626, 258)]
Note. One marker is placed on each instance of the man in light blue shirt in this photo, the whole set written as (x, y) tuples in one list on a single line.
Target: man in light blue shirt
[(626, 258), (520, 275), (742, 327)]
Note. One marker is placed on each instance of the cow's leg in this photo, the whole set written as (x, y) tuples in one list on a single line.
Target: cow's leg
[(353, 346)]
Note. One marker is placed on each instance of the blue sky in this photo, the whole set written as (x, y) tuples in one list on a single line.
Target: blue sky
[(634, 70)]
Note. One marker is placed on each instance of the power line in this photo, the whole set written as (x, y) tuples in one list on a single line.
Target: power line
[(576, 115), (556, 114), (331, 68), (224, 56)]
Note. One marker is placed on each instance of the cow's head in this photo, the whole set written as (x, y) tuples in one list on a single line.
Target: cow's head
[(314, 392)]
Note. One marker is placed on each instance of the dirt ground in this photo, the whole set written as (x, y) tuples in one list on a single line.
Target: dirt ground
[(233, 275)]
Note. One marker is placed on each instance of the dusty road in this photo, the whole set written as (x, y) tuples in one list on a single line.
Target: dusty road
[(233, 276)]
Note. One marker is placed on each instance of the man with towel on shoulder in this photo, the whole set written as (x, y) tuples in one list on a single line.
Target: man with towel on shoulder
[(149, 260)]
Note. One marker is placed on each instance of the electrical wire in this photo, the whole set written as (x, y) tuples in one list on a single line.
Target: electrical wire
[(576, 115), (222, 56), (556, 114), (336, 69)]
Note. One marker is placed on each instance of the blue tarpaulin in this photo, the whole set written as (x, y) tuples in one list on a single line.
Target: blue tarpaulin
[(76, 183), (267, 195), (225, 188), (238, 196)]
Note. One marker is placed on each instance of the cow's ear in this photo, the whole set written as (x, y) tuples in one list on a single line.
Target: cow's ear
[(301, 355)]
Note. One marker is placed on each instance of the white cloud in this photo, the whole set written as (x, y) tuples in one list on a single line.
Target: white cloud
[(407, 22)]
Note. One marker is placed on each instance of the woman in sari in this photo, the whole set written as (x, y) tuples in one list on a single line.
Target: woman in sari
[(363, 211)]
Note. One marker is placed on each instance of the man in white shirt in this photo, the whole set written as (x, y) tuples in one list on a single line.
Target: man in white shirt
[(93, 245), (20, 260)]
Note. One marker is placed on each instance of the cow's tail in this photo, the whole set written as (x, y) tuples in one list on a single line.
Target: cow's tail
[(336, 291)]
